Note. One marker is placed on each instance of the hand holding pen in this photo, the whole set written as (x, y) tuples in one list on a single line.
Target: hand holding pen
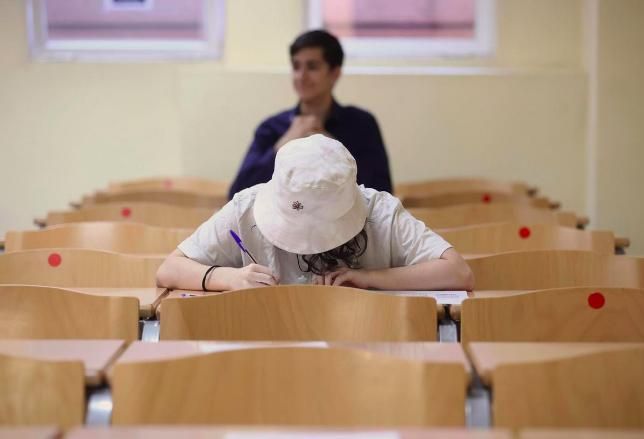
[(253, 273)]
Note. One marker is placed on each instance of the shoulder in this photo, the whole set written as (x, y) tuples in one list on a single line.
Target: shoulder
[(357, 113), (243, 201), (382, 206), (275, 123)]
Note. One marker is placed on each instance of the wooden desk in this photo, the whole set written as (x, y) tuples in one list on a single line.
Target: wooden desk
[(149, 298), (97, 355), (455, 310), (580, 434), (29, 432), (204, 432)]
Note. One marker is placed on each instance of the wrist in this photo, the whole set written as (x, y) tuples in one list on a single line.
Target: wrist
[(221, 279)]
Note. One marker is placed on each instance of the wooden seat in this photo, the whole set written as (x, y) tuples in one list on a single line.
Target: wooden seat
[(476, 214), (580, 433), (36, 392), (300, 312), (482, 197), (563, 314), (563, 384), (78, 268), (172, 197), (111, 236), (153, 214), (290, 385), (543, 269), (55, 313), (455, 185), (26, 432), (191, 184), (504, 237)]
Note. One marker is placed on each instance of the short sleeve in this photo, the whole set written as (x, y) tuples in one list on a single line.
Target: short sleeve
[(211, 243), (412, 242)]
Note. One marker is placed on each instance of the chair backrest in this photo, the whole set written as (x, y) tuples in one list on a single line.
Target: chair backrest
[(541, 269), (55, 313), (562, 314), (78, 268), (153, 214), (36, 392), (173, 197), (482, 197), (289, 386), (504, 237), (471, 214), (452, 185), (192, 184), (601, 389), (111, 236), (300, 312)]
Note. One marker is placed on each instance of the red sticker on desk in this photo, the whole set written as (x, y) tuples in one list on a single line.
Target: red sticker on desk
[(54, 260), (596, 300), (126, 212), (486, 198), (524, 232), (167, 183)]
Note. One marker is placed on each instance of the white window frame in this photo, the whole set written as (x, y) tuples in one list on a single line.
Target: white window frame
[(125, 50), (483, 44)]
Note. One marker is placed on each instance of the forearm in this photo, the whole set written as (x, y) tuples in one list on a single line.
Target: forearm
[(437, 274), (178, 272)]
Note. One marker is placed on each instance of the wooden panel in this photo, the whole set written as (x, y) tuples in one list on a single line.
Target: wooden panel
[(78, 268), (45, 312), (290, 386), (504, 237), (118, 237), (177, 198), (585, 433), (471, 214), (41, 392), (29, 432), (154, 214), (300, 312), (149, 298), (567, 314), (482, 197), (451, 185), (555, 269), (192, 184)]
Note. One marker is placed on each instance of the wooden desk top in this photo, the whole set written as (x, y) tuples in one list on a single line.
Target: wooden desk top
[(487, 356), (580, 434), (149, 298), (455, 310), (97, 355), (422, 351), (40, 432), (203, 432)]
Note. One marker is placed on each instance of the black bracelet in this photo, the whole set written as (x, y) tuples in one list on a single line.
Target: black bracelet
[(205, 276)]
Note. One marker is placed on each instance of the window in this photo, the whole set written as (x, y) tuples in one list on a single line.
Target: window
[(125, 29), (408, 28)]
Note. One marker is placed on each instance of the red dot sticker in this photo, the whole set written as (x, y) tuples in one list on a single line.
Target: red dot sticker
[(167, 183), (126, 212), (486, 198), (54, 260), (524, 232), (596, 300)]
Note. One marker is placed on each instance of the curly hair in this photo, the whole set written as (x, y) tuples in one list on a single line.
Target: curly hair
[(348, 254)]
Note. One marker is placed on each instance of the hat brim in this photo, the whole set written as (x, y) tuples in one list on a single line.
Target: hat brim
[(306, 235)]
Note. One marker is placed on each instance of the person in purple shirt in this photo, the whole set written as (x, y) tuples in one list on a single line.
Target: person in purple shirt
[(316, 60)]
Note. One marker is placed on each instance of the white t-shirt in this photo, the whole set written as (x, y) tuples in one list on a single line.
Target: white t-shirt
[(395, 238)]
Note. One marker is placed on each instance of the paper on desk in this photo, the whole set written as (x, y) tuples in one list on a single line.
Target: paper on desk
[(313, 435), (442, 297)]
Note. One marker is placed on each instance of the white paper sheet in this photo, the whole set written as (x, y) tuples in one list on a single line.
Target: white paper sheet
[(442, 297)]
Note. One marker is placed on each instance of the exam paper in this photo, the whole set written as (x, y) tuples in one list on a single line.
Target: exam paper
[(442, 297)]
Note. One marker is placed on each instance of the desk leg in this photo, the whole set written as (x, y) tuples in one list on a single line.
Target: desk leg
[(99, 406), (477, 405), (150, 331), (447, 332)]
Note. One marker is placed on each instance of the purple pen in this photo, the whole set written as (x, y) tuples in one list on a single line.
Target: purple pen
[(241, 246)]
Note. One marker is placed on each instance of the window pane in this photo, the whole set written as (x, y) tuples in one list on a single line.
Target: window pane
[(401, 18)]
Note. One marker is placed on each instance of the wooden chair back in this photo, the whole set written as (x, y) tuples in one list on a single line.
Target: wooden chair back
[(455, 185), (289, 386), (153, 214), (473, 197), (55, 313), (78, 268), (36, 392), (173, 197), (543, 269), (600, 389), (190, 184), (300, 312), (118, 237), (562, 314), (504, 237), (472, 214)]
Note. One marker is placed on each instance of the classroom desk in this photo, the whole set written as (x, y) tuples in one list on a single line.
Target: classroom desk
[(580, 434), (455, 310), (96, 355), (149, 298), (440, 309), (236, 432), (40, 432)]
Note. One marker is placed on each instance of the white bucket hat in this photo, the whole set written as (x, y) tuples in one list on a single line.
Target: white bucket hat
[(312, 203)]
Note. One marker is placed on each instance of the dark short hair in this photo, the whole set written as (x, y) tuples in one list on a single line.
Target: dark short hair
[(329, 261), (331, 48)]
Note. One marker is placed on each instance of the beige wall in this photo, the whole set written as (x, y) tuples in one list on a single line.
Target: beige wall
[(68, 128)]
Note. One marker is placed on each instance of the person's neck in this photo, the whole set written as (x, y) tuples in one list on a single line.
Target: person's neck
[(319, 107)]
